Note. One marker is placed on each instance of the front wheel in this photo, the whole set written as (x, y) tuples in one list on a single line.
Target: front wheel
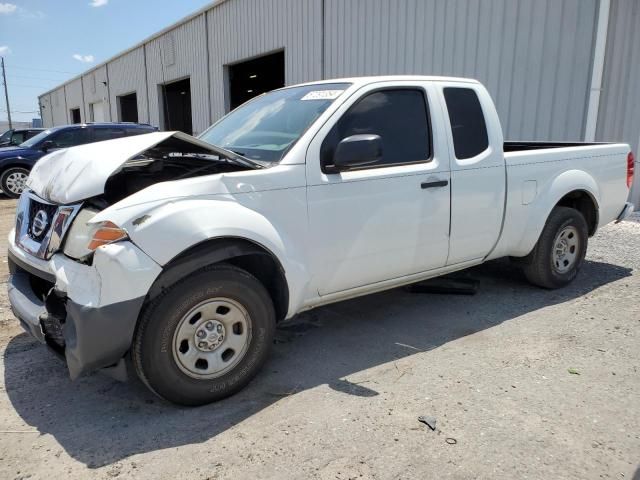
[(205, 337), (13, 180), (560, 251)]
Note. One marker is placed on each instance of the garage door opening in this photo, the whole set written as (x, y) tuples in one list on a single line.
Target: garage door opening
[(176, 100), (128, 108), (75, 115), (253, 77), (96, 112)]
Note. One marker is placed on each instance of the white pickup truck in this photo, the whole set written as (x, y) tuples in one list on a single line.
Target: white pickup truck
[(182, 254)]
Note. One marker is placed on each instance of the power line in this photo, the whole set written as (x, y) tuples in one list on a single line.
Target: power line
[(34, 78), (43, 70), (20, 111), (19, 85)]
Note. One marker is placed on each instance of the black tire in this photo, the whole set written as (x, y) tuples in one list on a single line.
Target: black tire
[(153, 346), (8, 187), (540, 266)]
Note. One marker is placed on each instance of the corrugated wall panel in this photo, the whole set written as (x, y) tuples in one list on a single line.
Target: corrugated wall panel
[(619, 113), (127, 75), (58, 106), (73, 91), (533, 55), (46, 107), (180, 53), (94, 89), (243, 29)]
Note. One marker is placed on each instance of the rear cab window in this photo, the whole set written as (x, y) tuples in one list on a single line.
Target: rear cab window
[(468, 126), (399, 116)]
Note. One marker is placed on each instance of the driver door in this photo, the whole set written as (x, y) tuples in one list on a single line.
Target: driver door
[(385, 220)]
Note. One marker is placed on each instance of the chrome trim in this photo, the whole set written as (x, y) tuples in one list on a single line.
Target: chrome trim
[(52, 241)]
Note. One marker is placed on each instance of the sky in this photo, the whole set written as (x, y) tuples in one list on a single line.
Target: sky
[(45, 42)]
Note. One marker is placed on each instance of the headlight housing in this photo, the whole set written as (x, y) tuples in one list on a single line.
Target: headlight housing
[(83, 238)]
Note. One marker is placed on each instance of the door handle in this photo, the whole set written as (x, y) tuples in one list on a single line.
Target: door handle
[(436, 184)]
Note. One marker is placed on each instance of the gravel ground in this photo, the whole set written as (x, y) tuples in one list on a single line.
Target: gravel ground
[(342, 392)]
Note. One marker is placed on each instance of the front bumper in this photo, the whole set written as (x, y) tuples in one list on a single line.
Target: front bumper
[(87, 313)]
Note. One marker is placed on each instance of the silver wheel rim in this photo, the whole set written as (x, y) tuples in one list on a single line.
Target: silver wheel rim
[(566, 249), (212, 338), (15, 181)]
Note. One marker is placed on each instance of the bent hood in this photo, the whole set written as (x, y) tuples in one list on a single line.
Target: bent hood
[(77, 173)]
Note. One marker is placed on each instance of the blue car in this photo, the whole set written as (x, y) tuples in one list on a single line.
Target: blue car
[(16, 162)]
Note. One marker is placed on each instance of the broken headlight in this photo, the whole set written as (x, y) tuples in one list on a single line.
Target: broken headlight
[(83, 238)]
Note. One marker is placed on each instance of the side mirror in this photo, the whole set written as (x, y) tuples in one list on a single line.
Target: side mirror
[(48, 145), (357, 150)]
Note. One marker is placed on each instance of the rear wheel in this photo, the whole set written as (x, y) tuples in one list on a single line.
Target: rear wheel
[(205, 337), (560, 251), (13, 180)]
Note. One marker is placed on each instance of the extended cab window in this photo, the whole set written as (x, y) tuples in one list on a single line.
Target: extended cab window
[(467, 122), (398, 116)]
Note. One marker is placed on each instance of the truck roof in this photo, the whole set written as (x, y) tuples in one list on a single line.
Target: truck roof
[(390, 78)]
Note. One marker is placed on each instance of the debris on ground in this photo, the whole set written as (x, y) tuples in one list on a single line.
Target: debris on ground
[(451, 440), (428, 421), (573, 371)]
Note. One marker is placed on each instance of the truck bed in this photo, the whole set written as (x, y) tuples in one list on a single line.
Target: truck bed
[(537, 177), (515, 146)]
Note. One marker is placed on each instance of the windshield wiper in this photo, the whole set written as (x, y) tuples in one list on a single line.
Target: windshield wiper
[(239, 158), (224, 156), (261, 164), (213, 163)]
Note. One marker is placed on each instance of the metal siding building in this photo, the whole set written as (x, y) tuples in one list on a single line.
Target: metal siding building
[(93, 88), (242, 29), (180, 53), (539, 59), (127, 74)]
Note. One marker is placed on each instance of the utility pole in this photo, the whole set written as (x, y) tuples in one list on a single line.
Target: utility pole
[(6, 93)]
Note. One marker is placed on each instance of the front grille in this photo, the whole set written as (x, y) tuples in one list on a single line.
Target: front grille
[(41, 226), (40, 219)]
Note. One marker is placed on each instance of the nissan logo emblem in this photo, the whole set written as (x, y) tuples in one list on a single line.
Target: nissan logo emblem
[(40, 222)]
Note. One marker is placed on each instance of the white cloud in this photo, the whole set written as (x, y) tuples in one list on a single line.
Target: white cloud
[(28, 14), (98, 3), (83, 58), (4, 50), (8, 8)]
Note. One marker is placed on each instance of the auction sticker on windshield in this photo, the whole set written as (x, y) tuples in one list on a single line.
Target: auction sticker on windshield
[(322, 95)]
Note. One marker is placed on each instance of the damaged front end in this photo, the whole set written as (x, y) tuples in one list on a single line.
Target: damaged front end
[(85, 311), (79, 285)]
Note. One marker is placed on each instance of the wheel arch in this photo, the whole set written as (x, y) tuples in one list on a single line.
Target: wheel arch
[(241, 252), (572, 188), (14, 162), (583, 201)]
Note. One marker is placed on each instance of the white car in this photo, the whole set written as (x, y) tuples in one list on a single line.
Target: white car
[(183, 254)]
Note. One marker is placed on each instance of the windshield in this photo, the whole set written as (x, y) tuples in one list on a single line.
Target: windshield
[(266, 127), (38, 138), (5, 136)]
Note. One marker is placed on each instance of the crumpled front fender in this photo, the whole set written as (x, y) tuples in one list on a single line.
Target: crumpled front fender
[(163, 230)]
